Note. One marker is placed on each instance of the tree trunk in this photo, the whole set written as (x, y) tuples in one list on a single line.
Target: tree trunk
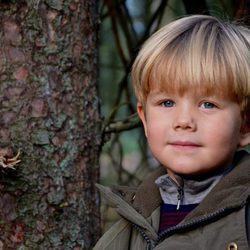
[(49, 110)]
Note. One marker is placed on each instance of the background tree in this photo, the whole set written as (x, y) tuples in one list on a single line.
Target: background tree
[(49, 111)]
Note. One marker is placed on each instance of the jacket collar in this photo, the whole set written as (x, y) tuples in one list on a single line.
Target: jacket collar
[(232, 190), (136, 204)]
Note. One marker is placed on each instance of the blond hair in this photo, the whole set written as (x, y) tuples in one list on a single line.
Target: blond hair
[(198, 52)]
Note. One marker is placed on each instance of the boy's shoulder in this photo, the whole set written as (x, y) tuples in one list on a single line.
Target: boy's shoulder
[(144, 198)]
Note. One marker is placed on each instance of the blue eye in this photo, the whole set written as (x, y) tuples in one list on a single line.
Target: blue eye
[(208, 105), (168, 104)]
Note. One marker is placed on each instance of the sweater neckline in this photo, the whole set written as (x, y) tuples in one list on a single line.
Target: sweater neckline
[(186, 191)]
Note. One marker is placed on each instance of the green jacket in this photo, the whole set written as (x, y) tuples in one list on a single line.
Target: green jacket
[(221, 221)]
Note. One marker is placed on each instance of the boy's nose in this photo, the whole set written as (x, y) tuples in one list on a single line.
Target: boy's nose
[(185, 121)]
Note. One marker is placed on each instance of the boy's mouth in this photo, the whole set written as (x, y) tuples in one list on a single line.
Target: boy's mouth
[(184, 144)]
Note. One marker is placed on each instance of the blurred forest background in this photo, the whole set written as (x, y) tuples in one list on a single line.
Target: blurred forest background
[(125, 24)]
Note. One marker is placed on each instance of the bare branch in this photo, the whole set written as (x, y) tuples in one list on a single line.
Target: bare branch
[(112, 13), (128, 123), (157, 15), (196, 6)]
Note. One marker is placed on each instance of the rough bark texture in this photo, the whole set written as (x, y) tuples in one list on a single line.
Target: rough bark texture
[(49, 110)]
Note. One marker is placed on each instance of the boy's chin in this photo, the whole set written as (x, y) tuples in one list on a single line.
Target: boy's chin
[(196, 173)]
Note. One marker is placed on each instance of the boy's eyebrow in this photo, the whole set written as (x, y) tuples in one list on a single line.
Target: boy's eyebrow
[(158, 94)]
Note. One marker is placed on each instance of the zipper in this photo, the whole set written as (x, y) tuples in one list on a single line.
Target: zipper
[(150, 243), (179, 197), (178, 228), (180, 192)]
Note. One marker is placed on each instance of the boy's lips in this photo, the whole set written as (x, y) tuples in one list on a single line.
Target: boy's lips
[(184, 144)]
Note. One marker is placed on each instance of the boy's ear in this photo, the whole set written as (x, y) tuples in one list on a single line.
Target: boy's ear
[(245, 129), (245, 137), (142, 115)]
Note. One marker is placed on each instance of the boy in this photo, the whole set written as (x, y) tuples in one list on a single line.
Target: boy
[(192, 82)]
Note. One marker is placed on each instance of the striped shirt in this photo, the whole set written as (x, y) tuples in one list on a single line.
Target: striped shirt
[(170, 216)]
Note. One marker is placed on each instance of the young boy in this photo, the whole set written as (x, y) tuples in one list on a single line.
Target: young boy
[(192, 81)]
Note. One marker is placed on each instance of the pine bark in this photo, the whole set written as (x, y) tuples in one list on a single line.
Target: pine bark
[(49, 110)]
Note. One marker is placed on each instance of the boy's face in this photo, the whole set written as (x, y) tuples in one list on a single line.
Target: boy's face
[(192, 134)]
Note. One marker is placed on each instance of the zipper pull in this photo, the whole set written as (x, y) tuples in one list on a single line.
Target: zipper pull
[(178, 203), (179, 197)]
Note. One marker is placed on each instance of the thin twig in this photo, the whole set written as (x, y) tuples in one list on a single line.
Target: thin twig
[(112, 13)]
